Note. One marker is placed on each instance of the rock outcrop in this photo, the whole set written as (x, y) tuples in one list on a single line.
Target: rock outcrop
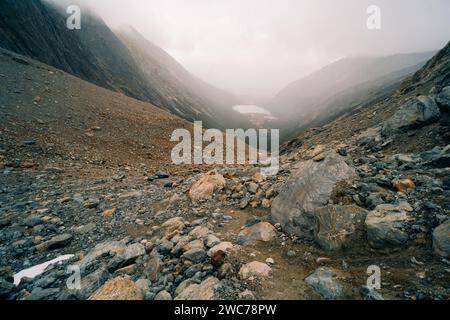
[(418, 112)]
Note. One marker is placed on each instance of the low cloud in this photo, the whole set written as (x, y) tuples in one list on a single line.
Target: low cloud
[(256, 47)]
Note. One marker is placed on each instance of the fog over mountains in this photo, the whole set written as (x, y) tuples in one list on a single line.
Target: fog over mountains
[(129, 64)]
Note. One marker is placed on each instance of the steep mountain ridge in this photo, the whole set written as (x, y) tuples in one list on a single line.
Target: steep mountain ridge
[(38, 30), (160, 68), (340, 86)]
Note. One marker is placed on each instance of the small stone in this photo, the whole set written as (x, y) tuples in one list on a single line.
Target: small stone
[(32, 221), (246, 295), (195, 255), (55, 242), (211, 240), (370, 294), (27, 164), (218, 258), (319, 158), (404, 185), (108, 213), (207, 290), (119, 288), (133, 251), (161, 175), (254, 269), (243, 204), (163, 295), (323, 281), (65, 200), (252, 188), (37, 99), (174, 225), (205, 187), (291, 253), (225, 271), (223, 246), (262, 231), (199, 232), (91, 204)]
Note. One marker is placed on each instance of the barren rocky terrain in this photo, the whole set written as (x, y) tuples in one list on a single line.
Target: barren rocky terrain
[(86, 172)]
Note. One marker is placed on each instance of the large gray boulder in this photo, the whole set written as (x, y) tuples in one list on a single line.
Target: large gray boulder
[(441, 239), (415, 113), (384, 225), (309, 187), (338, 226)]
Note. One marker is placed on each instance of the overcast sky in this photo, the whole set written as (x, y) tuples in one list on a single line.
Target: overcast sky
[(256, 47)]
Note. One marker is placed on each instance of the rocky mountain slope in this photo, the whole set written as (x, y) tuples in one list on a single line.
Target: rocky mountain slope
[(59, 120), (340, 87), (165, 73), (38, 30)]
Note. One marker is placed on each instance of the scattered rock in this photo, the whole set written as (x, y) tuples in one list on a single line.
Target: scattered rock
[(133, 251), (211, 240), (246, 295), (252, 188), (403, 185), (223, 246), (199, 232), (196, 255), (119, 288), (153, 266), (203, 291), (441, 239), (55, 242), (218, 258), (32, 221), (91, 204), (384, 225), (262, 231), (163, 295), (323, 281), (254, 269), (27, 164), (443, 100), (370, 294), (204, 188), (172, 226), (6, 287), (108, 213)]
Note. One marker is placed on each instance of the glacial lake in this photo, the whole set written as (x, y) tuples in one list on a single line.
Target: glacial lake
[(248, 108)]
